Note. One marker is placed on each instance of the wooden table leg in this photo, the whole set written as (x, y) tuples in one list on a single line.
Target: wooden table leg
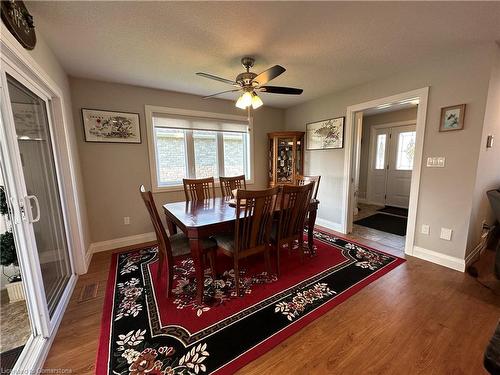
[(172, 228), (197, 255), (310, 230)]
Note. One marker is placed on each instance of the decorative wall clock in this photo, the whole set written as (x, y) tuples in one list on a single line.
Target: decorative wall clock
[(17, 19)]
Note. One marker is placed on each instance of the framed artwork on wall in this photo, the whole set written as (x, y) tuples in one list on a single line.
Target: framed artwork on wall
[(111, 127), (452, 118), (325, 134)]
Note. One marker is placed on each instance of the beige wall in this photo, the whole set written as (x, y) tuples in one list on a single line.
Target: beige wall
[(445, 197), (112, 172), (488, 168), (369, 121)]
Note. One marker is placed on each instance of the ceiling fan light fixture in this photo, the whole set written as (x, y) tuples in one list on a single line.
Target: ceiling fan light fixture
[(256, 101), (239, 103), (244, 100)]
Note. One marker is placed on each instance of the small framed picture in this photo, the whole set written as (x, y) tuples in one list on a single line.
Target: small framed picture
[(325, 134), (452, 118), (111, 127)]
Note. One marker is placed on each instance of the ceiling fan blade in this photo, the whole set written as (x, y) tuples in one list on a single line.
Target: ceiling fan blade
[(219, 93), (269, 74), (220, 79), (281, 90)]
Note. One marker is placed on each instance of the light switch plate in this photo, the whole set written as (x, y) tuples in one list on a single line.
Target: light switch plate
[(436, 161), (446, 234), (425, 229)]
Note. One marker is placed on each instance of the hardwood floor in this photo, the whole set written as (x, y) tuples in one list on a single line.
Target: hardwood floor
[(420, 318)]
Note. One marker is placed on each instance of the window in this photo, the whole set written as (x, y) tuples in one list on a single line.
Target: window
[(406, 151), (171, 155), (380, 155), (187, 146), (205, 154), (234, 154)]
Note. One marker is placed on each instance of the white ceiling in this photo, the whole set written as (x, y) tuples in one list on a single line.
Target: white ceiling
[(325, 46)]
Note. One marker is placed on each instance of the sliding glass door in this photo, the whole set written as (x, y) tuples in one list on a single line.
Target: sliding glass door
[(37, 210), (43, 202)]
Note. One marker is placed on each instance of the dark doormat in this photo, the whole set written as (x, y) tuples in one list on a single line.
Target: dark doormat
[(395, 211), (385, 223)]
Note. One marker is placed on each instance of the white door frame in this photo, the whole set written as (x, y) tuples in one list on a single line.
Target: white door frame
[(372, 150), (15, 56), (348, 189), (20, 64)]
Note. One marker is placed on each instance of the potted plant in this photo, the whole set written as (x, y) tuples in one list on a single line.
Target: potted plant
[(8, 255)]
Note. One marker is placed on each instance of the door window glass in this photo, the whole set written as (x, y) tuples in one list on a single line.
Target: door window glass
[(406, 151), (380, 151)]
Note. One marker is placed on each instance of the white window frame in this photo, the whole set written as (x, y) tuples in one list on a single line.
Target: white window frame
[(150, 110)]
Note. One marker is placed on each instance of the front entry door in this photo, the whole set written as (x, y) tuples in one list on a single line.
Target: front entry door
[(400, 166), (390, 166)]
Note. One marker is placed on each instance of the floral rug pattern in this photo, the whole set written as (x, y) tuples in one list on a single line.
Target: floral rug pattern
[(130, 346)]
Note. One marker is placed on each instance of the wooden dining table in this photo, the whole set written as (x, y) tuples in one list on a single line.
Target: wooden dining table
[(202, 219)]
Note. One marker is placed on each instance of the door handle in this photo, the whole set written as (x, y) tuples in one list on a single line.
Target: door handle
[(33, 198)]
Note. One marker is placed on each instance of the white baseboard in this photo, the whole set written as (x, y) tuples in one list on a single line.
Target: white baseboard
[(438, 258), (116, 243), (366, 201), (88, 258), (329, 224)]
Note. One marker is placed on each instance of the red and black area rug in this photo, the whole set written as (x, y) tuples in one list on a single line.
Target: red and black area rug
[(144, 333)]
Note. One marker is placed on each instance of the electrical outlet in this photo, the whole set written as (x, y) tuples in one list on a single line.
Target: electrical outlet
[(126, 220), (425, 229), (446, 234)]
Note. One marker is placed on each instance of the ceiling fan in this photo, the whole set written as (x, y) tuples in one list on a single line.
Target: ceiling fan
[(249, 83)]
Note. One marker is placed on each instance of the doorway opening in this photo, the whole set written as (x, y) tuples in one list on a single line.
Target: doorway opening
[(383, 162)]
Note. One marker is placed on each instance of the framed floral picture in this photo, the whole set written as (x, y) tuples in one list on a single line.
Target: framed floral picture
[(325, 134), (108, 126), (452, 118)]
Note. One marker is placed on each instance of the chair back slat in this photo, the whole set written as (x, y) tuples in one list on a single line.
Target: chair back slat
[(197, 189), (301, 180), (228, 184), (254, 213), (161, 234), (294, 207)]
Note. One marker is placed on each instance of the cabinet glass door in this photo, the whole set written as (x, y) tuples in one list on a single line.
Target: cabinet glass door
[(43, 200), (284, 160)]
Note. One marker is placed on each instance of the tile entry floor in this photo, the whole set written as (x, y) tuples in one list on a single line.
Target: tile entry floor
[(364, 233)]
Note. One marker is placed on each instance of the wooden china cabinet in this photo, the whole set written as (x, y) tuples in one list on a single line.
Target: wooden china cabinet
[(286, 157)]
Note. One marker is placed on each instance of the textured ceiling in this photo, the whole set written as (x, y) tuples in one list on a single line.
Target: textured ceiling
[(325, 46)]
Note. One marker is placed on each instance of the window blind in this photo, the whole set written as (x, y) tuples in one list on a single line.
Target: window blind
[(162, 120)]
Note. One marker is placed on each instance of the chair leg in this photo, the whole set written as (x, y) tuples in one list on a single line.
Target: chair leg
[(170, 282), (211, 259), (237, 276), (267, 259), (160, 266), (278, 248), (301, 248)]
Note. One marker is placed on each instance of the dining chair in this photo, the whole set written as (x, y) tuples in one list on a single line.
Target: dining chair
[(228, 184), (197, 189), (175, 245), (293, 209), (301, 180), (254, 219)]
